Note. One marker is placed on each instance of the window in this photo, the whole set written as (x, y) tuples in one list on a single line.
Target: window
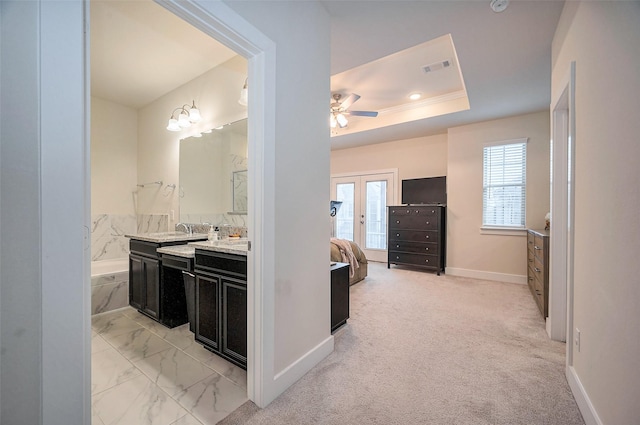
[(504, 184)]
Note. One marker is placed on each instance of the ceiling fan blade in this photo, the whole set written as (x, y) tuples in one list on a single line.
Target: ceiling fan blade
[(349, 101), (362, 113)]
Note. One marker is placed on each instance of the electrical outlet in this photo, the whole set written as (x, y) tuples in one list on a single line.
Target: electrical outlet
[(577, 339)]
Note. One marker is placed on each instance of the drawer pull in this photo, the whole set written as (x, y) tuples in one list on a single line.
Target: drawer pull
[(397, 258), (426, 261), (426, 249), (432, 212), (397, 246), (537, 270), (397, 221), (427, 222), (427, 236), (398, 234), (536, 247)]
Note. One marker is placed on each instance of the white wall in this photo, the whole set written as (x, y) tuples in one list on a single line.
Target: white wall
[(216, 95), (44, 285), (300, 31), (603, 38), (114, 157), (493, 256), (414, 158)]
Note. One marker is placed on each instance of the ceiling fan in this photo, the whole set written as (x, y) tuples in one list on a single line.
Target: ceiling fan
[(339, 110)]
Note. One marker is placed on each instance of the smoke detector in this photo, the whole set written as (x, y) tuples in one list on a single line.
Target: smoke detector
[(499, 5)]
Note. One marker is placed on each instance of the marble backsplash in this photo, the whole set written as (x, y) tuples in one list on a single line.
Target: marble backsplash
[(107, 232)]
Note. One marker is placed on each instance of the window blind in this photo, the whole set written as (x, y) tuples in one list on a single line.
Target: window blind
[(504, 185)]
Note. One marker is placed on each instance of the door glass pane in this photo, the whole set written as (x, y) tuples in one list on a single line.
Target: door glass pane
[(345, 192), (376, 217)]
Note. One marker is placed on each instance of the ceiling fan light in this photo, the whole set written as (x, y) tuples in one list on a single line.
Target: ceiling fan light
[(332, 121), (173, 125), (342, 120)]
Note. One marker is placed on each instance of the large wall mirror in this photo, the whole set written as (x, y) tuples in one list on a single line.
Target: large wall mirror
[(213, 175)]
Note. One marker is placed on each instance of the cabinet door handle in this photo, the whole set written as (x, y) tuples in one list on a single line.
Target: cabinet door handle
[(536, 247), (427, 222), (397, 258), (397, 246), (426, 249), (397, 221), (398, 234), (427, 236), (426, 261), (537, 270)]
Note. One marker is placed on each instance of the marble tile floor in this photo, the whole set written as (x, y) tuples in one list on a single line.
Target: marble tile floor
[(145, 373)]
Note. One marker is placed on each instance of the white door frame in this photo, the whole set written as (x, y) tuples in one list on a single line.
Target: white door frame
[(226, 26), (560, 323)]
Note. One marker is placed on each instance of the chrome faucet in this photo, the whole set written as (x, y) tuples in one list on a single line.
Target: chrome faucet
[(187, 227)]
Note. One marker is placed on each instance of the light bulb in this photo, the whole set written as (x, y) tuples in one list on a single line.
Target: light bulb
[(173, 125), (183, 120), (244, 96), (194, 115), (342, 120)]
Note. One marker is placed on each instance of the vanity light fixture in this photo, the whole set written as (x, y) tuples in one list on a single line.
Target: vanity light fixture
[(186, 116), (244, 93)]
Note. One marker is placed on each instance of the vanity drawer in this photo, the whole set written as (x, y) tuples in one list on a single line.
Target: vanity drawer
[(413, 235), (179, 263), (416, 247), (221, 263)]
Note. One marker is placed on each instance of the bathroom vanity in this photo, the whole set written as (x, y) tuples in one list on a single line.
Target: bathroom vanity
[(220, 270), (152, 294)]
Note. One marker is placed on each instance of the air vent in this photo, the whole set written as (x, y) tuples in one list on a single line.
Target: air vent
[(436, 66)]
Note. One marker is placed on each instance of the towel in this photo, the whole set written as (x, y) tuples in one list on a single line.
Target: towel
[(347, 254)]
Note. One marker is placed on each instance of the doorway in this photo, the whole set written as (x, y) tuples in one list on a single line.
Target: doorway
[(560, 324), (362, 217)]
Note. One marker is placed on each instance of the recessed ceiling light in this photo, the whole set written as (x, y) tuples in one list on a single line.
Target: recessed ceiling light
[(415, 96)]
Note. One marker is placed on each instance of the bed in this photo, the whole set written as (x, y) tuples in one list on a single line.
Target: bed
[(357, 268)]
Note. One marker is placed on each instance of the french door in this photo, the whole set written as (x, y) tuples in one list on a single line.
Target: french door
[(362, 217)]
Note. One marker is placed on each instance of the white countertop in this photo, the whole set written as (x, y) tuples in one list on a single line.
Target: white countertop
[(229, 246), (161, 237), (186, 251)]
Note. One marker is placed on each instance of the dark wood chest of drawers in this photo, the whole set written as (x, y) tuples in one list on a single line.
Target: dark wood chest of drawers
[(538, 268), (417, 236)]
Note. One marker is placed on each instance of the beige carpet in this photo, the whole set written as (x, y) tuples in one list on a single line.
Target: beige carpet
[(426, 349)]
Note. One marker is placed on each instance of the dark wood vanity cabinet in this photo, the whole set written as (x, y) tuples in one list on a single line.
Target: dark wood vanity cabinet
[(154, 290), (221, 304), (144, 285), (417, 236)]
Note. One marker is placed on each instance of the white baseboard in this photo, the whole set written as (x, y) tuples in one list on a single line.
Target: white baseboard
[(300, 367), (479, 274), (589, 413)]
